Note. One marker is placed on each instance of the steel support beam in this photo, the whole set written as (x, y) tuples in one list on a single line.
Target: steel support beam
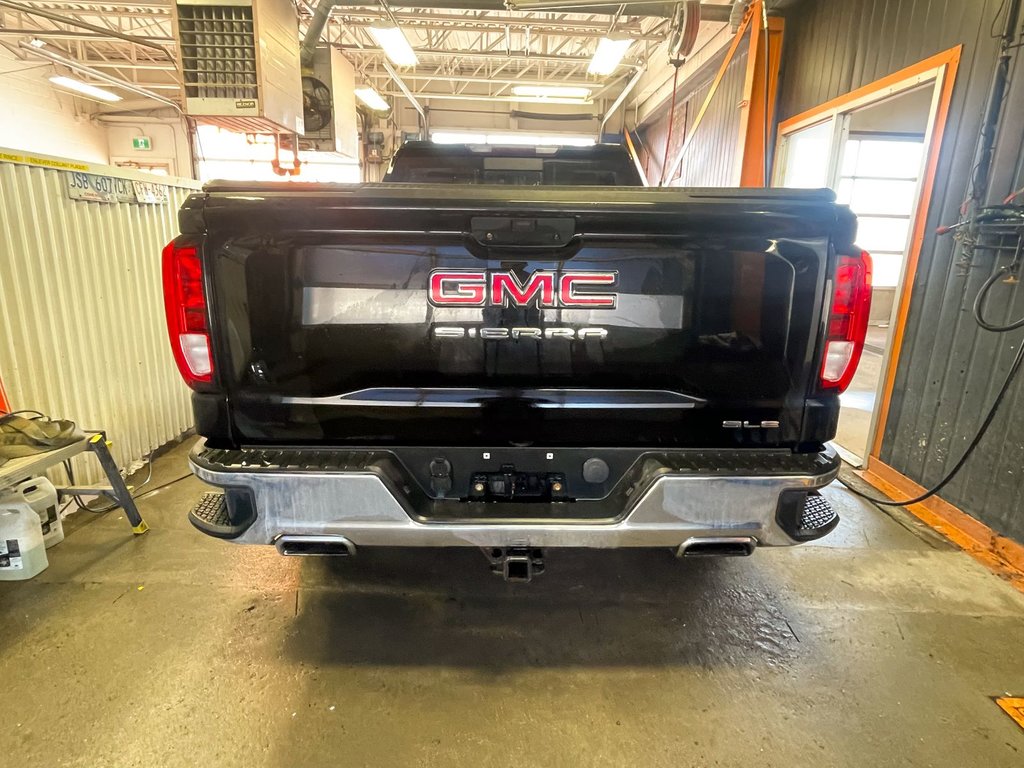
[(102, 76), (468, 54), (500, 99), (498, 24), (665, 10), (498, 80), (59, 19), (620, 100), (65, 34)]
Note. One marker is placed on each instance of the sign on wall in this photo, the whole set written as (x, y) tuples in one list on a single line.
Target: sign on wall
[(95, 188)]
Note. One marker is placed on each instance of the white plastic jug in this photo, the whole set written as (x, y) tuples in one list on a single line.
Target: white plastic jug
[(22, 551), (39, 493)]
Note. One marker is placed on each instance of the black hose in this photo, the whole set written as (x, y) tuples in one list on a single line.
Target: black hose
[(981, 301), (989, 418)]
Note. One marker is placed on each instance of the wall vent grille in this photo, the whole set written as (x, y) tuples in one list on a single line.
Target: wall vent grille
[(218, 51)]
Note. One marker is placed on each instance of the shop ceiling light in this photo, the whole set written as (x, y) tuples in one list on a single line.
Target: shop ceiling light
[(372, 99), (608, 55), (551, 92), (84, 88), (396, 46)]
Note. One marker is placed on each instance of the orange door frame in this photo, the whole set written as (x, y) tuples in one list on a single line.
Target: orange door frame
[(941, 67)]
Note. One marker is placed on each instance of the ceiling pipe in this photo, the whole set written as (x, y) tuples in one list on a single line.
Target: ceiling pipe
[(321, 16), (408, 94), (102, 76), (56, 17), (620, 100)]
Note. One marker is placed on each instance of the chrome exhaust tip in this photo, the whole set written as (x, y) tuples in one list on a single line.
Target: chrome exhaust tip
[(314, 546), (717, 546)]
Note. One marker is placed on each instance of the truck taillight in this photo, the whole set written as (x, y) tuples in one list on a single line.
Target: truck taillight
[(847, 321), (187, 316)]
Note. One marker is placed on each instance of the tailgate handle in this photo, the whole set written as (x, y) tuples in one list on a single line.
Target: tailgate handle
[(523, 232)]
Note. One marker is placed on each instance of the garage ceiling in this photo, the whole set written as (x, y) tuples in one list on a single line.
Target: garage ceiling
[(468, 49)]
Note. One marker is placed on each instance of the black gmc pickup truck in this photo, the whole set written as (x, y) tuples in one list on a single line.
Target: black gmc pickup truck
[(574, 360)]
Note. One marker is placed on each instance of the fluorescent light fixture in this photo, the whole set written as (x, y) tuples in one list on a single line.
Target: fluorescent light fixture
[(551, 92), (608, 55), (372, 99), (84, 88), (396, 46)]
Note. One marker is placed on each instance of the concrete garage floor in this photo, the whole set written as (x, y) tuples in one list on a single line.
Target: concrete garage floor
[(881, 646)]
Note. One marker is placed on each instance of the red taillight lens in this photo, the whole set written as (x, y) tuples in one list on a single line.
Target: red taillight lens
[(187, 315), (847, 321)]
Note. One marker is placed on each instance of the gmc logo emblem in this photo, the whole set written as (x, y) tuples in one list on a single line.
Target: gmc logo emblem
[(467, 288)]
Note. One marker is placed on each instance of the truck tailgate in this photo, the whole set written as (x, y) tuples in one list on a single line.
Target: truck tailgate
[(401, 314)]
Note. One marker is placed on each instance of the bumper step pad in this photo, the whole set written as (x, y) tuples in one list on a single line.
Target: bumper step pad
[(817, 519), (211, 516), (806, 515)]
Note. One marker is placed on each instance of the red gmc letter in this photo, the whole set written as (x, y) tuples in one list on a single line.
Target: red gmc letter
[(507, 291), (569, 297), (465, 289)]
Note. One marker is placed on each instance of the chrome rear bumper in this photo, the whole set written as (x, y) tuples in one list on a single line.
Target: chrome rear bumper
[(368, 509)]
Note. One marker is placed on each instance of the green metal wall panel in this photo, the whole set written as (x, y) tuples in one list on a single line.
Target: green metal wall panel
[(949, 369)]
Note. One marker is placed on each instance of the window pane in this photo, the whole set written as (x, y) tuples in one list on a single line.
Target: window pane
[(889, 159), (882, 197), (807, 153), (850, 153), (882, 234)]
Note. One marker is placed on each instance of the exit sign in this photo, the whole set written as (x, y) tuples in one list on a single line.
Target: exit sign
[(142, 143)]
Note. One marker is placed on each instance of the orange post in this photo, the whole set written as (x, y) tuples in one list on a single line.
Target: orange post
[(760, 87)]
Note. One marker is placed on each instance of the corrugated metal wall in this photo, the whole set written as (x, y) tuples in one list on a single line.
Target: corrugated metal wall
[(949, 368), (82, 332), (711, 159)]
